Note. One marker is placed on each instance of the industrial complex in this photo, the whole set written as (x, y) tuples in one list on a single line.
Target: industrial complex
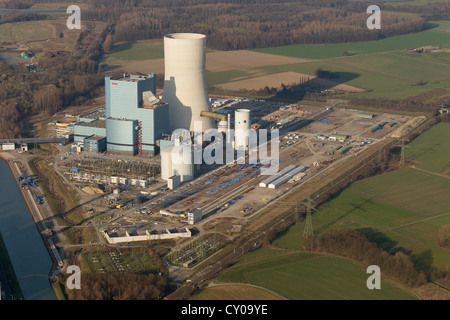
[(120, 157)]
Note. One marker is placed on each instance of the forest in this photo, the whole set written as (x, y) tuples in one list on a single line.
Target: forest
[(120, 286), (239, 24)]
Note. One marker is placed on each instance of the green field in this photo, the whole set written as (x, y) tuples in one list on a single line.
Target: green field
[(379, 66), (432, 149), (390, 74), (327, 51), (26, 31), (138, 50), (307, 276), (414, 2), (400, 210)]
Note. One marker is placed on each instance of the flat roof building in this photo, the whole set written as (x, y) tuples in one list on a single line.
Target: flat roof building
[(135, 118), (365, 115)]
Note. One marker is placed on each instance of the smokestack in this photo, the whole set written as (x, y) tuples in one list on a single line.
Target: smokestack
[(185, 80)]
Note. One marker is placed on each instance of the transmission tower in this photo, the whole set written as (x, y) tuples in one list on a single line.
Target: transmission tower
[(296, 212), (308, 231), (402, 153)]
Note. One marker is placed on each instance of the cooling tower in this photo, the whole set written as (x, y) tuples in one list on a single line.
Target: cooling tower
[(241, 128), (185, 81)]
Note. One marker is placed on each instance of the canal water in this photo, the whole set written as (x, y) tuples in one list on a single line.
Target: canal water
[(29, 256)]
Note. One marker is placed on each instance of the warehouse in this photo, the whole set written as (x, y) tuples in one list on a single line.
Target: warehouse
[(335, 149), (286, 177), (266, 182), (373, 129), (389, 125), (342, 150), (132, 235), (365, 115), (338, 137)]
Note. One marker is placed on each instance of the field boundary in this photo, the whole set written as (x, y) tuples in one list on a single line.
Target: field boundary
[(215, 285)]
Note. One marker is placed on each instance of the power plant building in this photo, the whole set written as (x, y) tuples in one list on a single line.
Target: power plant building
[(85, 129), (135, 118)]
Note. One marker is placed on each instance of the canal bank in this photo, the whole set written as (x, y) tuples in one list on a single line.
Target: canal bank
[(28, 254)]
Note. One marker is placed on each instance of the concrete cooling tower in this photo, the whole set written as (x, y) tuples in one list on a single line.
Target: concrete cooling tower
[(185, 80)]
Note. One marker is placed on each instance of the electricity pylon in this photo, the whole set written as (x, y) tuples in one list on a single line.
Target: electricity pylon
[(308, 231), (402, 151)]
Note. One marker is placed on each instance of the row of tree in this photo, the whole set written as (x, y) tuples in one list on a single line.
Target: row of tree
[(351, 244), (424, 102), (232, 27), (120, 286)]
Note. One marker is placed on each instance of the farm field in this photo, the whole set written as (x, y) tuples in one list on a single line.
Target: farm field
[(371, 69), (402, 209), (432, 149), (45, 34), (304, 276), (391, 75), (326, 51)]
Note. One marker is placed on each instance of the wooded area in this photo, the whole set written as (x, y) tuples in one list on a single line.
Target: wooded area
[(352, 244), (120, 286)]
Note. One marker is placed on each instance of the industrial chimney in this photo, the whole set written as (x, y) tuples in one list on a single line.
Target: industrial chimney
[(185, 80)]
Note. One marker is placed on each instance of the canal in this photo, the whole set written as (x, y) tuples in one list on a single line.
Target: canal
[(29, 256)]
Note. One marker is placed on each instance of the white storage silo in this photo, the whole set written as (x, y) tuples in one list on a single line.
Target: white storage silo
[(185, 80), (241, 128), (169, 167)]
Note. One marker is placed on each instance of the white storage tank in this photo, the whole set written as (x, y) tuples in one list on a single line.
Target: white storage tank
[(241, 128), (170, 168)]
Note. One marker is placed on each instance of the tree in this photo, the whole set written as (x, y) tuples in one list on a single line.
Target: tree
[(444, 236), (107, 45)]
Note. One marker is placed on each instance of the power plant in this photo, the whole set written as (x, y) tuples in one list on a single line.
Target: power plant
[(136, 122)]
